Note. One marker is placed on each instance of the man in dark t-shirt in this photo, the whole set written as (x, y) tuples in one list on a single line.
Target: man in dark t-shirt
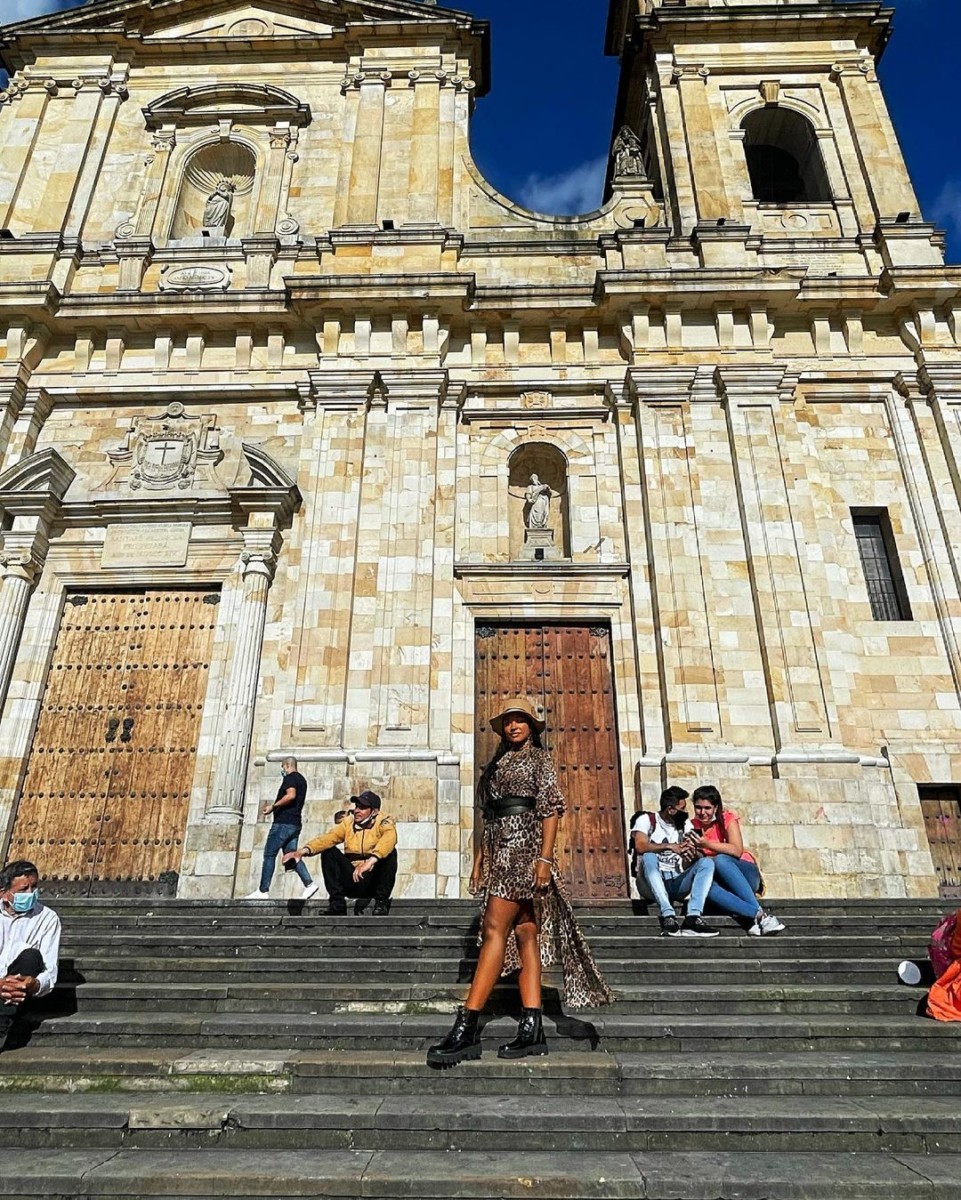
[(287, 811)]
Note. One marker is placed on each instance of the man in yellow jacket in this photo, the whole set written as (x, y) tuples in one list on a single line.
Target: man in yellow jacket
[(367, 865)]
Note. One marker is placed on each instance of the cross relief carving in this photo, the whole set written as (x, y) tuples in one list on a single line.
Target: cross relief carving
[(168, 451)]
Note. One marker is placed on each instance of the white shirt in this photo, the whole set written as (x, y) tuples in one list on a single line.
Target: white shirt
[(663, 833), (38, 929)]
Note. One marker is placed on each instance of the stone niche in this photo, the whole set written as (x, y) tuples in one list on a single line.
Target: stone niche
[(538, 504), (229, 167)]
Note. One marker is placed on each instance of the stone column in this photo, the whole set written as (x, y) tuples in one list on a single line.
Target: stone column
[(31, 496), (368, 148), (882, 162), (798, 689), (424, 148), (21, 569), (690, 682), (710, 189), (257, 565)]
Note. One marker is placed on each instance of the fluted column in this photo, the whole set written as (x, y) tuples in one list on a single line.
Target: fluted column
[(21, 568), (257, 566)]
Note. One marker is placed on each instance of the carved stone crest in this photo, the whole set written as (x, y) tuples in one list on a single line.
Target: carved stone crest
[(168, 451)]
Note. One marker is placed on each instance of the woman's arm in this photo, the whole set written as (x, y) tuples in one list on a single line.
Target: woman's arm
[(734, 844)]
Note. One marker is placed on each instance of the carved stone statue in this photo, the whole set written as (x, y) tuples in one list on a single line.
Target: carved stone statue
[(538, 497), (217, 208), (628, 157)]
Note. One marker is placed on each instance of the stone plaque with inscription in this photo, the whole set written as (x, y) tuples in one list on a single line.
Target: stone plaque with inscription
[(146, 545)]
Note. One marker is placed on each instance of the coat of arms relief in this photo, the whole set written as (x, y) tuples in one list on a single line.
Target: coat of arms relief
[(171, 450)]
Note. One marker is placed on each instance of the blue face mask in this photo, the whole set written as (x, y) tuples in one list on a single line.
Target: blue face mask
[(23, 902)]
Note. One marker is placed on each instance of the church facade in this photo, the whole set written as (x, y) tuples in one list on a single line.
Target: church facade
[(312, 443)]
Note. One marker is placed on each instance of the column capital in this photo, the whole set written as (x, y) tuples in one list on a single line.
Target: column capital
[(23, 557), (754, 385), (660, 385), (941, 379)]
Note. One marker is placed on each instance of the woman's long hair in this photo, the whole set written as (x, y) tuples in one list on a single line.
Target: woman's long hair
[(710, 793), (488, 773)]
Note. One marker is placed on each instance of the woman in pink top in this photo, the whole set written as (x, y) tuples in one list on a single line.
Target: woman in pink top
[(736, 876)]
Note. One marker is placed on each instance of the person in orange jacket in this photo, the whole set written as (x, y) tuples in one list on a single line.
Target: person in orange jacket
[(367, 865), (944, 998)]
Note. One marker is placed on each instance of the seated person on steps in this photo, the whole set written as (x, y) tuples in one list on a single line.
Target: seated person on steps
[(29, 941), (737, 878), (667, 866), (366, 867)]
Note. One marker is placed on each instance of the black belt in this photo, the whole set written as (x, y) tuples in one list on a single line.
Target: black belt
[(509, 806)]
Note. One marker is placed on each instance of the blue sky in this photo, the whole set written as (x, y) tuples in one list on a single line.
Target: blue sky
[(542, 134)]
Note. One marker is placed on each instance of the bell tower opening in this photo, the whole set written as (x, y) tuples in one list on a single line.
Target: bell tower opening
[(783, 158)]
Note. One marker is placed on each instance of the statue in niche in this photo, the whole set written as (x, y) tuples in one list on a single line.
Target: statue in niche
[(537, 499), (628, 156), (217, 208)]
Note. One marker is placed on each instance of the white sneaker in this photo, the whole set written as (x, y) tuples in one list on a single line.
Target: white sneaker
[(310, 890), (770, 924), (258, 895)]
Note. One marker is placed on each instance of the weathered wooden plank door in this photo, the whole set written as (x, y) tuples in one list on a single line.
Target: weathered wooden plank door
[(567, 669), (105, 800), (941, 808)]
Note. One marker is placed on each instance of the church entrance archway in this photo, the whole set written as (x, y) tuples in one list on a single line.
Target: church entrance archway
[(105, 800), (566, 669)]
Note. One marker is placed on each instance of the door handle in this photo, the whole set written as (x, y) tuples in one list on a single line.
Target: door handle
[(127, 729), (112, 726)]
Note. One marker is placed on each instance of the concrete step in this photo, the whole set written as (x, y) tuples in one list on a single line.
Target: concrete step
[(563, 1072), (719, 999), (688, 964), (340, 1120), (388, 1031), (477, 1175)]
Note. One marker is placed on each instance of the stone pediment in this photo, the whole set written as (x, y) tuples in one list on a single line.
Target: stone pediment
[(204, 20)]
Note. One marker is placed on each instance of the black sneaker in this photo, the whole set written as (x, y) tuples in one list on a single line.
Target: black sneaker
[(670, 927), (696, 927), (337, 910), (360, 906), (382, 908)]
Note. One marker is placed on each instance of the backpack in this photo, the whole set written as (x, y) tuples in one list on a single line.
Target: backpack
[(652, 817)]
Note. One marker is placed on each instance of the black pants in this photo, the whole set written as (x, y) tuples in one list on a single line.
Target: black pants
[(28, 962), (339, 877)]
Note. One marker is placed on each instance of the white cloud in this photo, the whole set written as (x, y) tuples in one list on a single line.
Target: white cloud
[(575, 191), (946, 210)]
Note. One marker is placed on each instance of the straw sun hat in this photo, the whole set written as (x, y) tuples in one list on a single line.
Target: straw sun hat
[(518, 705)]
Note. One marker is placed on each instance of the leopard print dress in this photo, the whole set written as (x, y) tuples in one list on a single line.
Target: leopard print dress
[(511, 846)]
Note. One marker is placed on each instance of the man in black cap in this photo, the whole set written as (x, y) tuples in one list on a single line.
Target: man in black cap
[(367, 865)]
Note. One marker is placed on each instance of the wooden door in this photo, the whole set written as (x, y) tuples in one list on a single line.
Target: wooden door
[(567, 669), (105, 800), (941, 807)]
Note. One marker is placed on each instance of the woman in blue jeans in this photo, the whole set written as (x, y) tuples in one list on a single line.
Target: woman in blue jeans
[(737, 879)]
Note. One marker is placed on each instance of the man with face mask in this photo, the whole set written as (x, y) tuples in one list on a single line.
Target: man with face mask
[(668, 867), (367, 866), (29, 941)]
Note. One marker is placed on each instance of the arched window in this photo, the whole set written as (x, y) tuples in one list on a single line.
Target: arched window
[(783, 158)]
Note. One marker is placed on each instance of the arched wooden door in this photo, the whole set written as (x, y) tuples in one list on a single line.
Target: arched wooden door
[(106, 795), (567, 669)]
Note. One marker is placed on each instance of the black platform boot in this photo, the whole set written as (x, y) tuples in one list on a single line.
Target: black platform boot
[(463, 1041), (530, 1036)]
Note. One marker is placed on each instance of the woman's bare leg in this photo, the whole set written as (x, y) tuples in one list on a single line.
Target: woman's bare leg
[(530, 955), (499, 918)]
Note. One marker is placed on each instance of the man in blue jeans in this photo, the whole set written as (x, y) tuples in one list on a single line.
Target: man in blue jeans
[(667, 867), (288, 814)]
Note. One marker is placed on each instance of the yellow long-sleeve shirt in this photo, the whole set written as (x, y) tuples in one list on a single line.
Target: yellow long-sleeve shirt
[(376, 842)]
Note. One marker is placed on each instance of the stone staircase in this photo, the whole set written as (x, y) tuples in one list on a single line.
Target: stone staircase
[(255, 1050)]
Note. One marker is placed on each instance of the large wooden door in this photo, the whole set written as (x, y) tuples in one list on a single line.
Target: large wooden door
[(567, 669), (107, 790), (941, 807)]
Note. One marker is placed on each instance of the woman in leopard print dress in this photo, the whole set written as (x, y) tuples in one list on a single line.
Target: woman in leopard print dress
[(528, 921)]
